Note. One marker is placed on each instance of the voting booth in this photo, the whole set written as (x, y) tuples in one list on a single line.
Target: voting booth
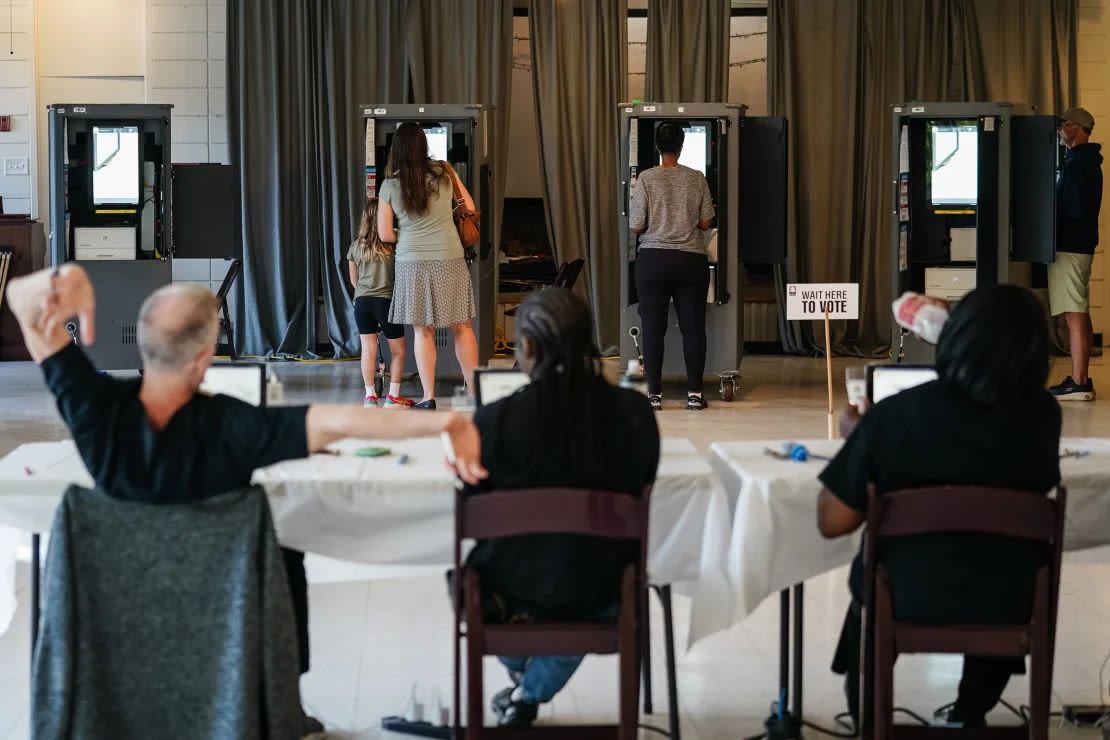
[(974, 200), (458, 134), (110, 204), (743, 159)]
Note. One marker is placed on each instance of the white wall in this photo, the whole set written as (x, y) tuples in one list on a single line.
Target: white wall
[(85, 52), (17, 99), (187, 45), (111, 51), (91, 38)]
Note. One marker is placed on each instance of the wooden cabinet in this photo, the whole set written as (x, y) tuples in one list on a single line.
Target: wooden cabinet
[(24, 240)]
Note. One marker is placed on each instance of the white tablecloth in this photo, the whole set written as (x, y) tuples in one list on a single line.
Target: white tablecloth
[(775, 544), (377, 511)]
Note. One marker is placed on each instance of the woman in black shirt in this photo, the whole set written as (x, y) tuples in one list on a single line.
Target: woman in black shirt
[(987, 420), (567, 428)]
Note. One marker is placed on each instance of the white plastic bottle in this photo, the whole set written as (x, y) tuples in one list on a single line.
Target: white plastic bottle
[(920, 315), (275, 392)]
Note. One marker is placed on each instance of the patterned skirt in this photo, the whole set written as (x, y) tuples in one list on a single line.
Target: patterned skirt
[(432, 293)]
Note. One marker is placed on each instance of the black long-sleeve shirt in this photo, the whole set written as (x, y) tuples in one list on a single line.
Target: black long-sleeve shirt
[(212, 445), (1078, 199)]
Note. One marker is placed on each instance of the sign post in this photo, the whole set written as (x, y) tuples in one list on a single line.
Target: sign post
[(828, 301)]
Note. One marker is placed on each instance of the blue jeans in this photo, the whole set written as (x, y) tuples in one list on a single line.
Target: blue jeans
[(543, 676)]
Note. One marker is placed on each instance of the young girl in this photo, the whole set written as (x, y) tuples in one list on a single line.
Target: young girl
[(371, 270)]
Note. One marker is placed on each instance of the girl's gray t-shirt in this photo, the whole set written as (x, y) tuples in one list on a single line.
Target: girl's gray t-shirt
[(668, 203), (432, 236)]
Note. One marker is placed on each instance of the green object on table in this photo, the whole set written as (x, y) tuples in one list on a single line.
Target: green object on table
[(372, 451)]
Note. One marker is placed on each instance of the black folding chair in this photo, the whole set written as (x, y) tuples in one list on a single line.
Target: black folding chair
[(226, 327)]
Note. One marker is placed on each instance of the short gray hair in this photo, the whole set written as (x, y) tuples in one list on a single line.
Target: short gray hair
[(175, 323)]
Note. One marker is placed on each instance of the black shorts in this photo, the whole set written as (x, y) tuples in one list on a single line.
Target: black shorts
[(372, 316)]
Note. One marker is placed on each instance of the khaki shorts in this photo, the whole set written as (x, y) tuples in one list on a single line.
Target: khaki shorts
[(1068, 283)]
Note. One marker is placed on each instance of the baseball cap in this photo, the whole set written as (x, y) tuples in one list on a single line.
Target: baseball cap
[(1079, 116)]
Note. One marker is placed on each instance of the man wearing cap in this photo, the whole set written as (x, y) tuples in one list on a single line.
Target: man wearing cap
[(1078, 198)]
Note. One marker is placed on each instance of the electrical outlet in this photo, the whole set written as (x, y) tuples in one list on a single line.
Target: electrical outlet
[(15, 166)]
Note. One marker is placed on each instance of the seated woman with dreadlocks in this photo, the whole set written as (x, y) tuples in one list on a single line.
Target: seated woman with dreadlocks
[(589, 434)]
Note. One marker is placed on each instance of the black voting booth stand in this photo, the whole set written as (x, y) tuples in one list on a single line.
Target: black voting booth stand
[(206, 226)]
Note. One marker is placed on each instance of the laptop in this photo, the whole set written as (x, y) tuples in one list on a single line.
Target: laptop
[(243, 380), (884, 381), (494, 383)]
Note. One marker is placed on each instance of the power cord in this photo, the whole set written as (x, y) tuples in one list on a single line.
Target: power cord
[(651, 728), (1102, 677), (852, 733)]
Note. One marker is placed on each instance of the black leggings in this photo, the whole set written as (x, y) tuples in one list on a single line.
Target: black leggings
[(663, 274), (981, 686)]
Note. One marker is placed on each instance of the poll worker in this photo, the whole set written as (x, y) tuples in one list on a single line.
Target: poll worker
[(1078, 200), (670, 206), (158, 439), (593, 435), (987, 420)]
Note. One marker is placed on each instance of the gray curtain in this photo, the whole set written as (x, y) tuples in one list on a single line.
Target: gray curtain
[(461, 51), (579, 63), (812, 62), (297, 71), (836, 67), (687, 51)]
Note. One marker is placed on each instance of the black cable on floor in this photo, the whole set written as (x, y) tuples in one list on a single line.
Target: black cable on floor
[(911, 714), (651, 728), (826, 731), (1012, 708)]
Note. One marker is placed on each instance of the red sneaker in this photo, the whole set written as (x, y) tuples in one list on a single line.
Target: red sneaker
[(399, 402)]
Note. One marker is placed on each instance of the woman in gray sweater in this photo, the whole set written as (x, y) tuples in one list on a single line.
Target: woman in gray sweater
[(671, 206)]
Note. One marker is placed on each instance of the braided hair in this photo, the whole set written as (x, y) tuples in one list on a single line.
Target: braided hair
[(558, 325), (559, 329)]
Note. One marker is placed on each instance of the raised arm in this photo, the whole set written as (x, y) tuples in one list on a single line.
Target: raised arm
[(43, 301), (327, 423)]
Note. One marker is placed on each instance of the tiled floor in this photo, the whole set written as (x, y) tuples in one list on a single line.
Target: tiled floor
[(373, 641)]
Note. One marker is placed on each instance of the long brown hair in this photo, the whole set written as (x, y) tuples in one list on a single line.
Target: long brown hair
[(417, 175), (369, 242)]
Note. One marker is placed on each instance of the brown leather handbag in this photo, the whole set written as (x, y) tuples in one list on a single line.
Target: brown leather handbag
[(468, 223)]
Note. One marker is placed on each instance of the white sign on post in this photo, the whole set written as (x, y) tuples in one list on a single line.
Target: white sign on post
[(815, 301), (823, 302)]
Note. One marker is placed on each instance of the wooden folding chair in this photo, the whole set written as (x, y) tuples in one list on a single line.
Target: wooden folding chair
[(989, 511), (549, 511)]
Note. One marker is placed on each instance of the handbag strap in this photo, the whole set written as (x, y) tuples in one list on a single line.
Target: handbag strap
[(456, 186)]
